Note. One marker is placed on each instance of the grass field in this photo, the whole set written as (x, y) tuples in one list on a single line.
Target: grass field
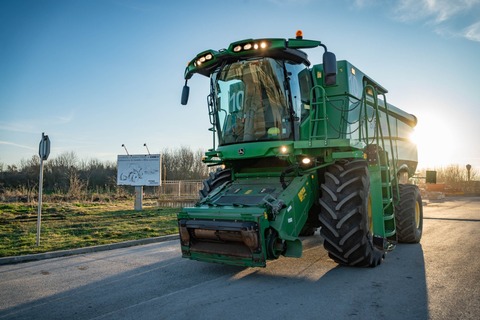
[(75, 225)]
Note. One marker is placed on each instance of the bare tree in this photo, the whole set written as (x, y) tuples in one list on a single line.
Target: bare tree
[(67, 175), (184, 164)]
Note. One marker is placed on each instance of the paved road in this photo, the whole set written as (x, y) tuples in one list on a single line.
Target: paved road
[(437, 279)]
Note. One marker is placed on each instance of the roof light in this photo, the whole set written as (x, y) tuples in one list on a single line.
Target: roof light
[(205, 58), (299, 34), (251, 45)]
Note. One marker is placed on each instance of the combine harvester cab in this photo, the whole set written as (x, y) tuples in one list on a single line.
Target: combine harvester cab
[(299, 147)]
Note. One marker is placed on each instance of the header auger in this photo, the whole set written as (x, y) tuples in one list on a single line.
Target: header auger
[(300, 147)]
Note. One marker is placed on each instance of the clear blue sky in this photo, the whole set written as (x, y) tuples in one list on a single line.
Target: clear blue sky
[(94, 75)]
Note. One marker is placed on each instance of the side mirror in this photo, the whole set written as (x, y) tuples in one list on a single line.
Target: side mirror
[(185, 93), (330, 68)]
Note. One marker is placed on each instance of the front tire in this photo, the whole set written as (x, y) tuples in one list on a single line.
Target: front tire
[(409, 214), (215, 180), (345, 215)]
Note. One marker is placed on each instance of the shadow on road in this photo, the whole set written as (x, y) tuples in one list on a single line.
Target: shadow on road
[(313, 287)]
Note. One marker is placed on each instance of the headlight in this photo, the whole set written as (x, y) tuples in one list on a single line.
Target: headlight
[(306, 161)]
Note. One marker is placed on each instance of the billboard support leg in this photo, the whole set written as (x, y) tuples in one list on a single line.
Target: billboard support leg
[(138, 198)]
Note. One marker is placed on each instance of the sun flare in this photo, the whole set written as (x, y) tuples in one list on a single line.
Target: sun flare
[(435, 142)]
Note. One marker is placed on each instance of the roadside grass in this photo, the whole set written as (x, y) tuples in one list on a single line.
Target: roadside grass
[(75, 225)]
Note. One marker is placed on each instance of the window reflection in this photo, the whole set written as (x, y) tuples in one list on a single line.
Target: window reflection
[(252, 102)]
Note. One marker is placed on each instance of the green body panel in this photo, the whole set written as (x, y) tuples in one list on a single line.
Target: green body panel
[(292, 204), (227, 213), (298, 198), (253, 150), (275, 183)]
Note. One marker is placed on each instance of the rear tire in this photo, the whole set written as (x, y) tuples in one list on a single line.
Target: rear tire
[(215, 180), (345, 215), (409, 214)]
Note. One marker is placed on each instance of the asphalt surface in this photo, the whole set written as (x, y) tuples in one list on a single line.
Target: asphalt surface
[(436, 279)]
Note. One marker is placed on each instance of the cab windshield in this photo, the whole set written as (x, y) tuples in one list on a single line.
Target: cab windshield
[(251, 102)]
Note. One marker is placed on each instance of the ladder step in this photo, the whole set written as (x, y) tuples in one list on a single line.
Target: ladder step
[(389, 233), (389, 217)]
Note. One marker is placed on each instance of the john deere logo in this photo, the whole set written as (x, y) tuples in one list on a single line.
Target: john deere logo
[(241, 151)]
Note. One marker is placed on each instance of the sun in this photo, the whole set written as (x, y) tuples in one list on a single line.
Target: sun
[(435, 141)]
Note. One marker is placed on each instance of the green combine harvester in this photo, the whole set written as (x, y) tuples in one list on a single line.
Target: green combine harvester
[(299, 147)]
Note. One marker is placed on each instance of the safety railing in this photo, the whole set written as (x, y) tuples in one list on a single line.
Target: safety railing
[(384, 160), (318, 115)]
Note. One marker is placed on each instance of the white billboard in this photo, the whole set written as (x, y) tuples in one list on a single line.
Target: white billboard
[(138, 170)]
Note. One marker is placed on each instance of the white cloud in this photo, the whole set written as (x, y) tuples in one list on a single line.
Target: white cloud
[(411, 10), (32, 125), (16, 145), (289, 2), (64, 119), (459, 18), (435, 11), (363, 3), (23, 127), (472, 32)]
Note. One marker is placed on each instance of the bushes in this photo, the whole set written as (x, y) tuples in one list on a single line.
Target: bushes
[(65, 177)]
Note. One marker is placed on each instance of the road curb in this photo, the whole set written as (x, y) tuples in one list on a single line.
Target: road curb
[(63, 253)]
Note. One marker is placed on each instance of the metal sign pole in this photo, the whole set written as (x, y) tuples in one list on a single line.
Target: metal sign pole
[(40, 191), (43, 153)]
